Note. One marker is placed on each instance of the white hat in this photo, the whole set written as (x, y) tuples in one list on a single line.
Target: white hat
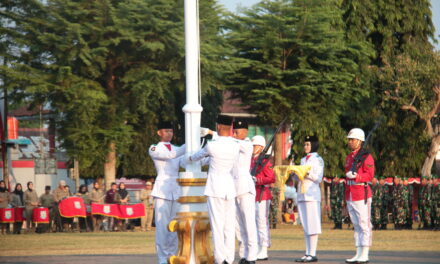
[(63, 182), (259, 141), (356, 133)]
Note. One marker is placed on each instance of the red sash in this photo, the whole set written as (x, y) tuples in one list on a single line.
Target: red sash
[(72, 207), (7, 215), (40, 215), (19, 214), (132, 210)]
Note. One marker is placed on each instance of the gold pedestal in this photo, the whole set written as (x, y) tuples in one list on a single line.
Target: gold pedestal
[(193, 230)]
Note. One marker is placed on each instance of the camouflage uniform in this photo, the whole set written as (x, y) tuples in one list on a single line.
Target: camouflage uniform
[(376, 206), (436, 205), (337, 192), (399, 214), (273, 212), (386, 199), (406, 203)]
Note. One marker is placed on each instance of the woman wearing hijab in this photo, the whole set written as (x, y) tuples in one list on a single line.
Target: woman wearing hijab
[(123, 197), (31, 201), (84, 194), (17, 201)]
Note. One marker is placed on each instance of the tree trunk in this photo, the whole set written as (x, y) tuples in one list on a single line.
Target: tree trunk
[(110, 166), (430, 157)]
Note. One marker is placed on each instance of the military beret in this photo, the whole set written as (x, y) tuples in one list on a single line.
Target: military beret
[(240, 123), (224, 120)]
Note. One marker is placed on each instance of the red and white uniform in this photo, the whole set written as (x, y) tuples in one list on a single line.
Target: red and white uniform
[(264, 178), (360, 211)]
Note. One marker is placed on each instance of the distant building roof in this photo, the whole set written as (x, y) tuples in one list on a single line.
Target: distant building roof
[(26, 111), (234, 106)]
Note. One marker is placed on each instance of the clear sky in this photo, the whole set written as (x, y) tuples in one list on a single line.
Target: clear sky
[(233, 4)]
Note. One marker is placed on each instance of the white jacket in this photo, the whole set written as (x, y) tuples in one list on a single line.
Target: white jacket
[(313, 179), (242, 176), (223, 153), (167, 163)]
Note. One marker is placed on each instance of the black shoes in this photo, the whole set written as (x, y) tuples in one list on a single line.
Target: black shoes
[(307, 259)]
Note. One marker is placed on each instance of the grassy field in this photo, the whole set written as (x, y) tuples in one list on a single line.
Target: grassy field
[(286, 237)]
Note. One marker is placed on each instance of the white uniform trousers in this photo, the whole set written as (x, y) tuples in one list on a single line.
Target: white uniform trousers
[(246, 227), (262, 219), (310, 215), (222, 219), (166, 241), (360, 215)]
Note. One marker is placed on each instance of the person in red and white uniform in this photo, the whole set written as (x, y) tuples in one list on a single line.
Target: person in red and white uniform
[(309, 201), (358, 195), (263, 179)]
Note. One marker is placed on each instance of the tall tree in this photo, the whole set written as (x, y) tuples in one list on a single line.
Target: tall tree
[(293, 60), (393, 29)]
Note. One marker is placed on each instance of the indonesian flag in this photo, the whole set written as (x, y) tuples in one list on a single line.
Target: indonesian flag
[(105, 209), (19, 214), (7, 215), (132, 210), (40, 215), (72, 207)]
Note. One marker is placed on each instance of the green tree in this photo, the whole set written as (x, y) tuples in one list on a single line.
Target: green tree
[(293, 60), (393, 29)]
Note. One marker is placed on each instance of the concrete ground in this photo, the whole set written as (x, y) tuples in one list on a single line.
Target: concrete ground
[(276, 257)]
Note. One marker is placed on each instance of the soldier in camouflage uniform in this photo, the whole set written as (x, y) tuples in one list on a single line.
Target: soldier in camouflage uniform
[(376, 204), (399, 215), (386, 199), (273, 212), (337, 192), (407, 198), (425, 204), (436, 203)]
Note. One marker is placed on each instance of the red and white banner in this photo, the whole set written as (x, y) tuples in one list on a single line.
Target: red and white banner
[(106, 209), (19, 214), (119, 210), (7, 215), (72, 207), (132, 210), (40, 215)]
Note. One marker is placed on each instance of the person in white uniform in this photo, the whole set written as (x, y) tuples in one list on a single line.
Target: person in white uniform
[(223, 153), (309, 202), (166, 191), (246, 228)]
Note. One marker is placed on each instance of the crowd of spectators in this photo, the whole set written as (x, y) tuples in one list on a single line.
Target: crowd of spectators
[(29, 200)]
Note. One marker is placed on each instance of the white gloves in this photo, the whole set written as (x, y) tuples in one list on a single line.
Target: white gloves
[(351, 175), (204, 131)]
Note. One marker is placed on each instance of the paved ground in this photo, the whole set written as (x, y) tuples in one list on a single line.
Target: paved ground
[(276, 257)]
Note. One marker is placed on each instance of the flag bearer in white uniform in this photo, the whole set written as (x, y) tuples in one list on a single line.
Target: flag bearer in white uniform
[(358, 195), (166, 191), (223, 153), (246, 228), (309, 202), (264, 177)]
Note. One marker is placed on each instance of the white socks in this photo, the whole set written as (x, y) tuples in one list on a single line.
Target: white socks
[(311, 244)]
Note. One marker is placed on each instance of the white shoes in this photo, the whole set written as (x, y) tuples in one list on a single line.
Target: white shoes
[(262, 253)]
